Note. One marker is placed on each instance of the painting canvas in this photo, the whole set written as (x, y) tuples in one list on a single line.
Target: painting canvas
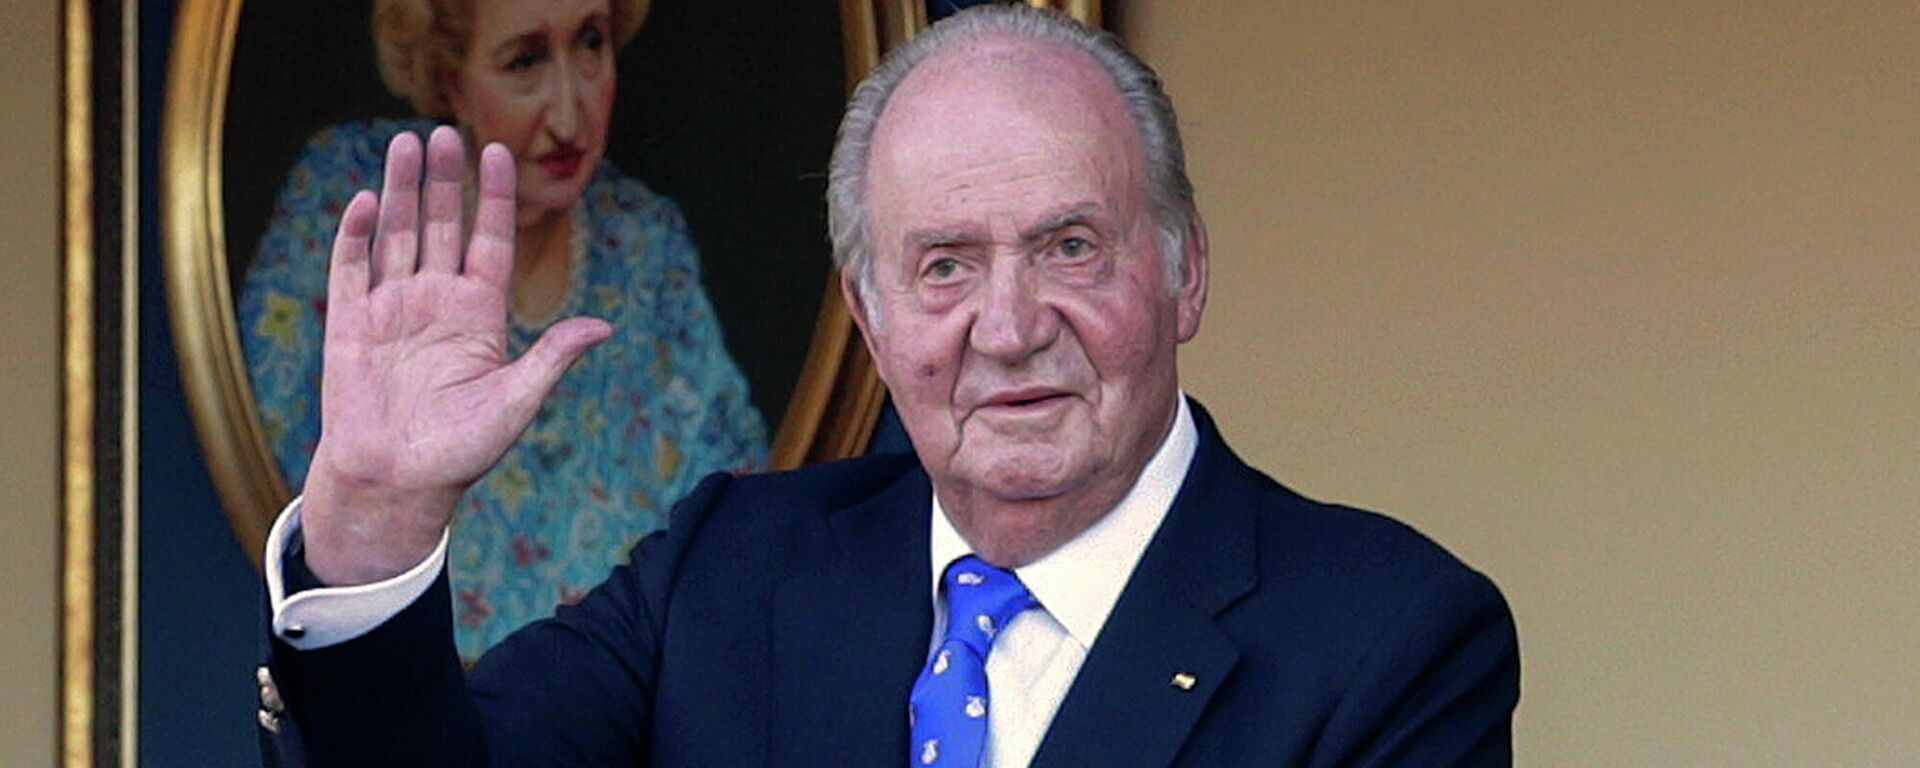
[(673, 159)]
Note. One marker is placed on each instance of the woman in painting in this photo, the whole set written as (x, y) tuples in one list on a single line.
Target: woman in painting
[(638, 420)]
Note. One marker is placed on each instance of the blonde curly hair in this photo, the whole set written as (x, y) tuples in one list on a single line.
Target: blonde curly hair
[(418, 42)]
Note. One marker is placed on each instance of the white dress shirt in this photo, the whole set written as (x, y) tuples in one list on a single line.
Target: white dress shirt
[(1034, 658)]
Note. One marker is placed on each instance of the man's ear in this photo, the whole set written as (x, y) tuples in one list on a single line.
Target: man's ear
[(1191, 297)]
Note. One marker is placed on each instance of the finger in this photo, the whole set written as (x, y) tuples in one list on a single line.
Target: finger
[(490, 256), (348, 274), (446, 173), (397, 243), (535, 373)]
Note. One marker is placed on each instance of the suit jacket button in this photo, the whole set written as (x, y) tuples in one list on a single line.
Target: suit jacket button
[(270, 694), (269, 721)]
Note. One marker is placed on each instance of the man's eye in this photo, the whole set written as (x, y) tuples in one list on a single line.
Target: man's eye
[(592, 38), (1075, 248), (941, 269)]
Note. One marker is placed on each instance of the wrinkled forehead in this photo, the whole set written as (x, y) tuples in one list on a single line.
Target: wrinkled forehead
[(1036, 106)]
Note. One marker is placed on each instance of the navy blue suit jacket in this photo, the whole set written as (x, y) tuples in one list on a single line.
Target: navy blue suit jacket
[(781, 620)]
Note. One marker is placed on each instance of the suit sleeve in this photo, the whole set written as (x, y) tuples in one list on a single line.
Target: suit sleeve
[(1439, 685), (575, 689)]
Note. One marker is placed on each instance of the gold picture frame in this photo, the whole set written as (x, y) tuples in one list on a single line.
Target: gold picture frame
[(99, 251)]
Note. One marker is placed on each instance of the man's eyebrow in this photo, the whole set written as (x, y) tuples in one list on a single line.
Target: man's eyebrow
[(1077, 214), (943, 237)]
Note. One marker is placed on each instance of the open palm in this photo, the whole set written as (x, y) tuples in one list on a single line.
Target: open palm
[(419, 396)]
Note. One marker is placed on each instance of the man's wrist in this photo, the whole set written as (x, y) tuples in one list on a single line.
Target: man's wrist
[(308, 614), (360, 533)]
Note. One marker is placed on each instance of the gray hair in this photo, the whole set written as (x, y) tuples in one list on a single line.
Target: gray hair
[(1169, 190)]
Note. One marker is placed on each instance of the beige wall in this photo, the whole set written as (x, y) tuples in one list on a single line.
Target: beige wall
[(29, 378), (1620, 301)]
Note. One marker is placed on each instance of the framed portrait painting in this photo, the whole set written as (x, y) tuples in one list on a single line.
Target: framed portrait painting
[(671, 156), (699, 234)]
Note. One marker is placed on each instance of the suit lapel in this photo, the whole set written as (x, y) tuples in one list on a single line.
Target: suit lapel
[(850, 634), (1160, 658)]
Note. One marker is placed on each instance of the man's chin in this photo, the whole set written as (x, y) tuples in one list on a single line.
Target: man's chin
[(1026, 477)]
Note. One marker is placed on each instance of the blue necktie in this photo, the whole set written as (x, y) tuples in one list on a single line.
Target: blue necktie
[(948, 709)]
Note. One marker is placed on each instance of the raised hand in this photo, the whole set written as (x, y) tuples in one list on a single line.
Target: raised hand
[(418, 396)]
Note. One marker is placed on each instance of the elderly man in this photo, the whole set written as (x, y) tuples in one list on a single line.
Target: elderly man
[(1070, 569)]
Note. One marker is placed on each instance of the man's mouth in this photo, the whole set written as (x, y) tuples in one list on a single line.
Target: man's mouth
[(1024, 399)]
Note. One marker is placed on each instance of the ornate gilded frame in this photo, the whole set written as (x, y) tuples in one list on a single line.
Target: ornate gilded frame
[(99, 211)]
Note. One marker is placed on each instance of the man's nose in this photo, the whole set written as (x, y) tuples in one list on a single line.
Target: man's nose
[(1012, 320), (563, 102)]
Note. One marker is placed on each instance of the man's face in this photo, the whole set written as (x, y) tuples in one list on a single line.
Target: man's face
[(1020, 310)]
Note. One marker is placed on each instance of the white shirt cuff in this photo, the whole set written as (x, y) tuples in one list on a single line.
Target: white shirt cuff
[(326, 616)]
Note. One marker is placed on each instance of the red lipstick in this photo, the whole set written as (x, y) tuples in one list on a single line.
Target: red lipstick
[(562, 163)]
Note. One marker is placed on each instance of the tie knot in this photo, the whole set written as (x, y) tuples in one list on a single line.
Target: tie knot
[(981, 599)]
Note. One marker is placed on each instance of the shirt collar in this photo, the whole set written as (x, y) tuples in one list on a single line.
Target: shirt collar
[(1079, 582)]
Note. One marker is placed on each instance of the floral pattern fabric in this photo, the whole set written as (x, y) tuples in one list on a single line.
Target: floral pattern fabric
[(628, 430)]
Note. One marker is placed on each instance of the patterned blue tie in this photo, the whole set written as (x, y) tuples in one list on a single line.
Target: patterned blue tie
[(948, 709)]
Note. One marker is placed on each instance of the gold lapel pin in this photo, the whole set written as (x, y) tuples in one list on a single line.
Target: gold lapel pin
[(1183, 681)]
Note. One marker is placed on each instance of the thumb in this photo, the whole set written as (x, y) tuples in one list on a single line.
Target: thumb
[(535, 373)]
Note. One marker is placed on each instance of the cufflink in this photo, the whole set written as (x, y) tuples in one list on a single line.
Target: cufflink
[(294, 632), (270, 702)]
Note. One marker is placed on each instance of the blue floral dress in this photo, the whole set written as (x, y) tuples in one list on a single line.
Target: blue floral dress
[(629, 429)]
